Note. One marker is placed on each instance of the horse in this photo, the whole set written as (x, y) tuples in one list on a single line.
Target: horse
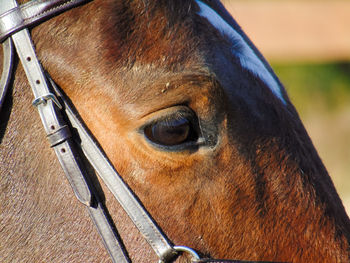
[(194, 120)]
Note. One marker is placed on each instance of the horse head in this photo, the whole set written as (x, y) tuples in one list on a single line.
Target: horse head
[(194, 120)]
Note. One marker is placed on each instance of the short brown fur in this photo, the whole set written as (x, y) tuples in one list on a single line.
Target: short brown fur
[(256, 191)]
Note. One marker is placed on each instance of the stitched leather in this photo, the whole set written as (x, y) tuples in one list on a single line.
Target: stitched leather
[(7, 65)]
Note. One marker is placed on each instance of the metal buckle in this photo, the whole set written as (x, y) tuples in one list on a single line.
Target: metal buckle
[(195, 256), (43, 100)]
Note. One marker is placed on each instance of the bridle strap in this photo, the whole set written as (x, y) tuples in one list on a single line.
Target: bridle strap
[(32, 13), (119, 189), (8, 54), (61, 141)]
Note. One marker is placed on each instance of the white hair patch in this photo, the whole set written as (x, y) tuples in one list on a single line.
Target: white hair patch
[(247, 57)]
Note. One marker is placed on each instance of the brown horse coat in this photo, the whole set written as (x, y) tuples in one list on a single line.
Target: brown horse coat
[(255, 189)]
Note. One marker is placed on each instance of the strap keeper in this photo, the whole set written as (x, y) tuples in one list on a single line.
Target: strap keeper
[(59, 136)]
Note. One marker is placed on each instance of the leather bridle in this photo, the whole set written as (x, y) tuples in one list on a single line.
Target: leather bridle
[(59, 120)]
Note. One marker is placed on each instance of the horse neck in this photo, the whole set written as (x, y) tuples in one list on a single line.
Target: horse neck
[(39, 203)]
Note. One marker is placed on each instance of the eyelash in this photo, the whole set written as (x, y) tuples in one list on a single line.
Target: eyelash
[(180, 129)]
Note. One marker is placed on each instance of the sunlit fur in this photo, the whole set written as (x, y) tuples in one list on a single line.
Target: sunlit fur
[(241, 49), (256, 190)]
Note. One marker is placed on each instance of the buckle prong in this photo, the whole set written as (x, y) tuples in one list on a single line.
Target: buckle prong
[(43, 100)]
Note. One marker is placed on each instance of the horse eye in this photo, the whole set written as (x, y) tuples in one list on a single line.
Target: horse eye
[(171, 132)]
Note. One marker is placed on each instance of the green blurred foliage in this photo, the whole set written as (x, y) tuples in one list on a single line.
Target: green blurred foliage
[(313, 86)]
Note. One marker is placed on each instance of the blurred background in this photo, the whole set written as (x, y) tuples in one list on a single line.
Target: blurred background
[(307, 42)]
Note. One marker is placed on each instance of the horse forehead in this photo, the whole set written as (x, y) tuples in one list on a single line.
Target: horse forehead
[(149, 32), (142, 46), (158, 33)]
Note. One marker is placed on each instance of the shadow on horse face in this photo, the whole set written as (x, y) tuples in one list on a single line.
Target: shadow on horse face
[(199, 127)]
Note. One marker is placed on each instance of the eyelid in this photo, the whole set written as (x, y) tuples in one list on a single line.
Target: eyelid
[(169, 113), (176, 112), (169, 119)]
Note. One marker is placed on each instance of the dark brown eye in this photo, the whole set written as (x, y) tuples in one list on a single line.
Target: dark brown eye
[(171, 132)]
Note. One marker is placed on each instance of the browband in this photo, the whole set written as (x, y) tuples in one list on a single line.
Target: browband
[(31, 13)]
